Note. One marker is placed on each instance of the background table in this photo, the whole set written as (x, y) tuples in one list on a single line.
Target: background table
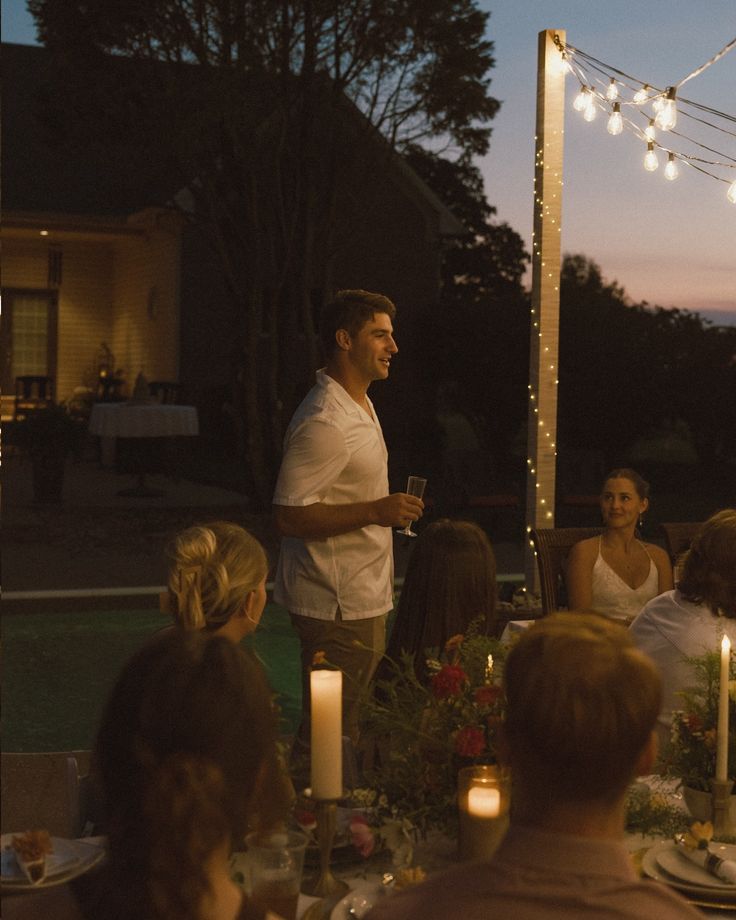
[(143, 420)]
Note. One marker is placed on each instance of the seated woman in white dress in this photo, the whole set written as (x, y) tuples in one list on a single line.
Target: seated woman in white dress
[(616, 573), (691, 620)]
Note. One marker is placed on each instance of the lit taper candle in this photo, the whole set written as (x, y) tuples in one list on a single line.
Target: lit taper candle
[(326, 688), (722, 737)]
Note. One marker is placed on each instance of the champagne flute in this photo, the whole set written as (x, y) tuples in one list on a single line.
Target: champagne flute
[(414, 486)]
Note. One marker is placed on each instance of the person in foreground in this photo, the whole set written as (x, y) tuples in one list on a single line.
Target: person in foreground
[(450, 581), (616, 573), (582, 702), (691, 620), (217, 579), (184, 757), (333, 508)]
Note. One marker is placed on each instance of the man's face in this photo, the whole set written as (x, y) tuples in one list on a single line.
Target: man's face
[(371, 350)]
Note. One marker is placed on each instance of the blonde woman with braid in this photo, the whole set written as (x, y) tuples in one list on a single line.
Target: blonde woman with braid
[(217, 579)]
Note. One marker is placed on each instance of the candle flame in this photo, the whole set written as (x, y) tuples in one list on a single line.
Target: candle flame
[(725, 644)]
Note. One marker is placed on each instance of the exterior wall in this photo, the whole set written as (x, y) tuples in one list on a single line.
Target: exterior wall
[(85, 299), (146, 297), (123, 290)]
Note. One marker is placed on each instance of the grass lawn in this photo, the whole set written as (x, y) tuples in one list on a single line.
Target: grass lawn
[(58, 669)]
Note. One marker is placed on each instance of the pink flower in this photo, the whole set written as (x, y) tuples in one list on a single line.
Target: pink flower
[(361, 835), (470, 741), (487, 696), (448, 682)]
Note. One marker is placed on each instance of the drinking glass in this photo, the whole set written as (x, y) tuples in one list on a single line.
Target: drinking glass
[(274, 865), (414, 486)]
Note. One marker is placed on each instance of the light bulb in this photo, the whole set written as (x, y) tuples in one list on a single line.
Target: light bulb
[(590, 110), (581, 99), (657, 103), (666, 118), (731, 193), (615, 122), (650, 160), (649, 132), (641, 94), (566, 65), (612, 91), (671, 170)]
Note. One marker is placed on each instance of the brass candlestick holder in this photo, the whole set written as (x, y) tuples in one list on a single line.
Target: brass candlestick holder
[(723, 826), (325, 884)]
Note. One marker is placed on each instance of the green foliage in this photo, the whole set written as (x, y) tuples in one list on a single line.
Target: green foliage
[(692, 754), (424, 733)]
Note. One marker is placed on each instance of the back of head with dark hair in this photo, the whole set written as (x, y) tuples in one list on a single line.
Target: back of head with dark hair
[(582, 702), (186, 736), (450, 580), (350, 310), (709, 570)]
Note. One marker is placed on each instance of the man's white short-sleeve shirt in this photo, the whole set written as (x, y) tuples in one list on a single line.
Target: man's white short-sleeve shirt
[(334, 453)]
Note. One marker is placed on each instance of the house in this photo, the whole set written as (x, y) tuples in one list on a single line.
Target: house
[(93, 256)]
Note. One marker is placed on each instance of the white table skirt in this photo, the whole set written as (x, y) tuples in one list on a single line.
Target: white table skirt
[(125, 420)]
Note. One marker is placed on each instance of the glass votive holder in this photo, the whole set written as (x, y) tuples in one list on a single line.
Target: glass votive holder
[(483, 794)]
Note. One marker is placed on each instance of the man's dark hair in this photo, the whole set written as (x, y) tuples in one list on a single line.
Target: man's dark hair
[(350, 310)]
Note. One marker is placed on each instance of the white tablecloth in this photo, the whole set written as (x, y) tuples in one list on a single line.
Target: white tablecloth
[(126, 420)]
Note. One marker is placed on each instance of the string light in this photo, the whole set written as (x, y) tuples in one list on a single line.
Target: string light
[(615, 121), (612, 91), (731, 193), (650, 160), (581, 99), (589, 112), (666, 117), (641, 94), (671, 170), (650, 132)]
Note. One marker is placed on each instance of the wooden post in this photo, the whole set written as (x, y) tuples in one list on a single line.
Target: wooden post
[(545, 315)]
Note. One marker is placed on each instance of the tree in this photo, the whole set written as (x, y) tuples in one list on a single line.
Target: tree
[(478, 333), (627, 370), (259, 108)]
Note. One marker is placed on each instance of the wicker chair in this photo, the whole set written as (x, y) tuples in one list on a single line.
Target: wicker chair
[(678, 537), (552, 546)]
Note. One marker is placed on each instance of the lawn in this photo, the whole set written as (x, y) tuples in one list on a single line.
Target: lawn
[(58, 669)]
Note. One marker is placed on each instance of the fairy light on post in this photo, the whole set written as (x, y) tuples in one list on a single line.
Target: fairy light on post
[(545, 312)]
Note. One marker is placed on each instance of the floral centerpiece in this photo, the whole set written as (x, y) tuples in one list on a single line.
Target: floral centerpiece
[(424, 730), (691, 757)]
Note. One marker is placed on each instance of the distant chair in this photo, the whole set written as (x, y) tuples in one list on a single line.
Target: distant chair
[(678, 537), (552, 546), (164, 391), (32, 392)]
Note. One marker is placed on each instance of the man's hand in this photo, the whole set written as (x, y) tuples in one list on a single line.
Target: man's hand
[(398, 509), (319, 521)]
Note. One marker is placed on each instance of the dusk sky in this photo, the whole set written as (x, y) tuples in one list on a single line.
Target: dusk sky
[(669, 243)]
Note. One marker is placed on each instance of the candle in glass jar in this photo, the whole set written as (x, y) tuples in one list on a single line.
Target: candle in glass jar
[(326, 735), (483, 803), (722, 735)]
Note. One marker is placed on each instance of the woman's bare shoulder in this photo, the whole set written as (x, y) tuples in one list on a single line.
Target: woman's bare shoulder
[(657, 553)]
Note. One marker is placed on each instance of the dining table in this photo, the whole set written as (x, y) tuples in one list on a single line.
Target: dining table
[(137, 422)]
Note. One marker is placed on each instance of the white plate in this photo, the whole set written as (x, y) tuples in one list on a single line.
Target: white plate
[(650, 866), (68, 859), (672, 860), (361, 899)]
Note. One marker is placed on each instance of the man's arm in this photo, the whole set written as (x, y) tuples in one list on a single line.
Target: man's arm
[(319, 521)]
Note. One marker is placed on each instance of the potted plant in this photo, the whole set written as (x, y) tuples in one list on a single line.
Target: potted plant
[(48, 436)]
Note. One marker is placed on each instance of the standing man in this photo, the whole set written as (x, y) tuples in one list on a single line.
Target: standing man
[(332, 507)]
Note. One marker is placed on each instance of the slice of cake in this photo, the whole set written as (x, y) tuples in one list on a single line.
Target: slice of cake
[(31, 849)]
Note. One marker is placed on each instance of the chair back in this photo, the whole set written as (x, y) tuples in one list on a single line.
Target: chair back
[(32, 392), (678, 537), (164, 391), (552, 546), (37, 791)]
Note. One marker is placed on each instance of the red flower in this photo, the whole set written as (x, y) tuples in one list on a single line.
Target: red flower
[(448, 682), (470, 741), (361, 835), (487, 695), (694, 722)]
